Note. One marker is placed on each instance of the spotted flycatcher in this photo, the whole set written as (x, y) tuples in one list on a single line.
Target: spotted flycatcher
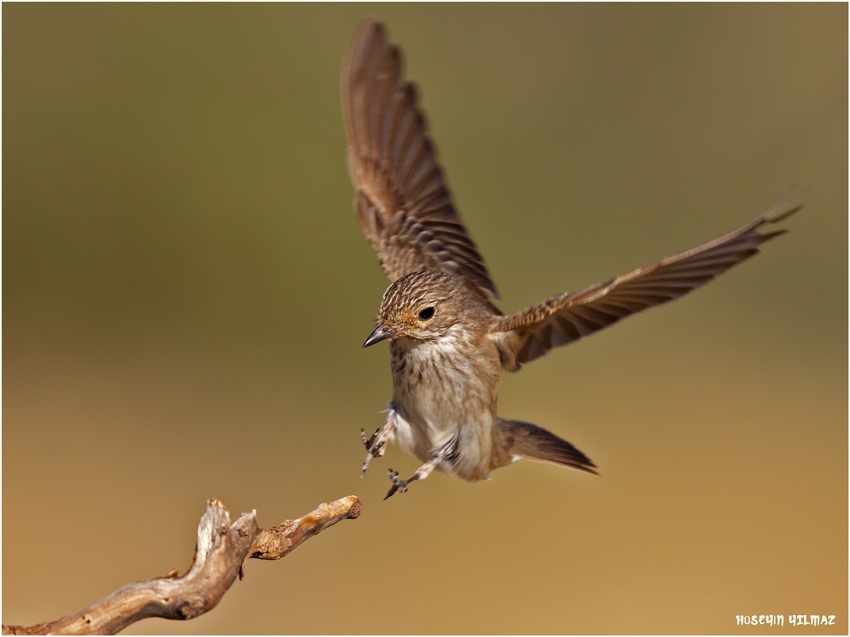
[(448, 342)]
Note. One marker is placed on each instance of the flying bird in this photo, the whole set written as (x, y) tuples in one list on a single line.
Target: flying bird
[(449, 343)]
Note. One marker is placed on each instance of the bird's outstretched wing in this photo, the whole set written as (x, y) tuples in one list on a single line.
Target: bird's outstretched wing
[(401, 199), (526, 335)]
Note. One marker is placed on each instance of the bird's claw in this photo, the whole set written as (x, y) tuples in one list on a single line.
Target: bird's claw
[(377, 442), (367, 442), (398, 484), (374, 448), (374, 445)]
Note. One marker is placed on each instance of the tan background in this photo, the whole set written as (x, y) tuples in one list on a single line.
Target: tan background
[(186, 292)]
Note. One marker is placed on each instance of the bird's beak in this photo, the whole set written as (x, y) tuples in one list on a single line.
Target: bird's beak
[(380, 333)]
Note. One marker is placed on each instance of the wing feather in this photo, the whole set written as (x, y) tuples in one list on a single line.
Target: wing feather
[(401, 202), (565, 318)]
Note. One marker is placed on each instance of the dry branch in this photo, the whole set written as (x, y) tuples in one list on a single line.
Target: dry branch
[(221, 550)]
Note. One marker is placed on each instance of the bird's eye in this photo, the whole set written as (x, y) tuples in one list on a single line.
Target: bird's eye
[(426, 314)]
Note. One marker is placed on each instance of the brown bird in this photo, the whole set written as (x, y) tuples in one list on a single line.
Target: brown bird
[(448, 342)]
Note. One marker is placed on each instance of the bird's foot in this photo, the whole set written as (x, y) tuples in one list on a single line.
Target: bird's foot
[(375, 444), (398, 484), (440, 455)]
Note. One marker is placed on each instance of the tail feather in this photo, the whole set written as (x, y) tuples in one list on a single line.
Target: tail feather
[(522, 439)]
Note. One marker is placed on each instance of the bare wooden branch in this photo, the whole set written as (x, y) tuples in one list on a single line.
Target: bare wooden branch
[(221, 550)]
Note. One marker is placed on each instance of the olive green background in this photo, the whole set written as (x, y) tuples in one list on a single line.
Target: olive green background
[(186, 292)]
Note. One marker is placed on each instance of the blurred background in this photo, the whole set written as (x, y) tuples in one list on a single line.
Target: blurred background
[(186, 292)]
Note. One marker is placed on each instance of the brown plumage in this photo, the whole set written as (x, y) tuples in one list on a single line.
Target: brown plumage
[(402, 202), (449, 342)]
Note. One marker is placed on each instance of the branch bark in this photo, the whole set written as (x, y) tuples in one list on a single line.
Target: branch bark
[(219, 555)]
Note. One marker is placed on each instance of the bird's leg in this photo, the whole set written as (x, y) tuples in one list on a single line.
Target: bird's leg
[(442, 453), (377, 441)]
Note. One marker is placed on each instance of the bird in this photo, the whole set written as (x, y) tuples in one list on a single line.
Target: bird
[(448, 341)]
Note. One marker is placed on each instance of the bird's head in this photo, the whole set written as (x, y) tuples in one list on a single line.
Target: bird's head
[(422, 306)]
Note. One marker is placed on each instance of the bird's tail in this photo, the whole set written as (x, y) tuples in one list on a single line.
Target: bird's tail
[(524, 440)]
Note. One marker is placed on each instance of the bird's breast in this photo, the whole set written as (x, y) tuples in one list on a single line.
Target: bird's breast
[(443, 389)]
